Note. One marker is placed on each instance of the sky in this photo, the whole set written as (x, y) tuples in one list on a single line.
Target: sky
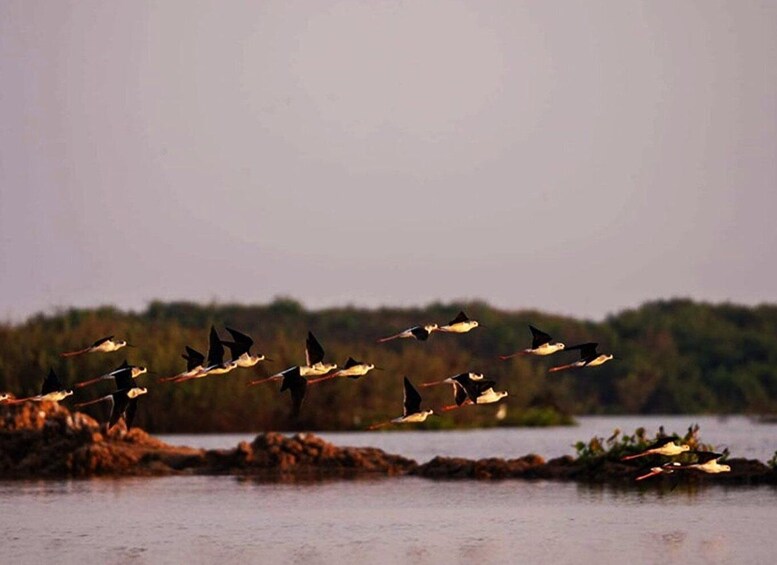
[(574, 157)]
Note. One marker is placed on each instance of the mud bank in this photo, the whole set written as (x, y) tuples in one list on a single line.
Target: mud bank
[(46, 440)]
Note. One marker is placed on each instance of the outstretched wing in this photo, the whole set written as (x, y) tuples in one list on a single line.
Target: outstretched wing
[(419, 333), (412, 400), (102, 340), (539, 338), (193, 358), (120, 400), (462, 317), (314, 353), (215, 349), (460, 394), (123, 378), (51, 383), (703, 457), (587, 350), (132, 408), (351, 363), (297, 384), (241, 344)]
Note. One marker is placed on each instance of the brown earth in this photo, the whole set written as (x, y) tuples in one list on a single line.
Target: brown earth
[(46, 440)]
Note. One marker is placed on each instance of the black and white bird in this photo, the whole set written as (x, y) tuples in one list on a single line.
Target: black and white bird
[(589, 357), (706, 462), (352, 369), (666, 446), (103, 345), (421, 333), (133, 371), (314, 359), (461, 324), (195, 362), (667, 468), (471, 388), (52, 390), (215, 364), (540, 345), (412, 412), (124, 402), (240, 348)]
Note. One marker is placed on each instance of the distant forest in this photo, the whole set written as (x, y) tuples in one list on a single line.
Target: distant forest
[(675, 356)]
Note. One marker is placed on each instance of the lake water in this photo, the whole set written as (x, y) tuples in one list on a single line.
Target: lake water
[(402, 520)]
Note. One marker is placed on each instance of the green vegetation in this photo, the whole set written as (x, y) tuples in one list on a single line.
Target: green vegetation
[(619, 445), (674, 356)]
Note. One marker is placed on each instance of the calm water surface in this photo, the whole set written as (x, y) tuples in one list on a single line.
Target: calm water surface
[(742, 436), (401, 520)]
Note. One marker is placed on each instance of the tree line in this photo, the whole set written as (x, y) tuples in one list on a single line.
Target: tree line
[(671, 356)]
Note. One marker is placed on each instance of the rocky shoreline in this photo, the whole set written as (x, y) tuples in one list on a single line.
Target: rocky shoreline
[(47, 441)]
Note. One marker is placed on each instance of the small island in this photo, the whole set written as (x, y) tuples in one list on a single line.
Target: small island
[(47, 441)]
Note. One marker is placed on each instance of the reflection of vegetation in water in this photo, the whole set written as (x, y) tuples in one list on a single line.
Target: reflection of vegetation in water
[(672, 357)]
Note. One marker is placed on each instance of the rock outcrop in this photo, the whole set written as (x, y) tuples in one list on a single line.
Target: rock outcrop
[(45, 440)]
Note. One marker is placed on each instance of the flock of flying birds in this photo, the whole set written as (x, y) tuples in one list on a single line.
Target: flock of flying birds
[(468, 388)]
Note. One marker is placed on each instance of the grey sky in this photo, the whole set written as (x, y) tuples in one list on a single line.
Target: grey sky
[(576, 157)]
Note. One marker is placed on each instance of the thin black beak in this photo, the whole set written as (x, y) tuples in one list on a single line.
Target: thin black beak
[(379, 368), (130, 345), (269, 360)]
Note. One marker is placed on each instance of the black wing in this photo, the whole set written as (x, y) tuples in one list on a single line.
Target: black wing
[(297, 384), (462, 317), (351, 363), (460, 394), (539, 337), (314, 353), (102, 340), (123, 378), (419, 333), (587, 350), (193, 358), (412, 401), (241, 344), (132, 408), (661, 442), (215, 349), (479, 387), (706, 456), (120, 402), (51, 383)]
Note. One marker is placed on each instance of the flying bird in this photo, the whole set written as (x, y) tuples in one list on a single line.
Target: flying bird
[(216, 364), (589, 357), (706, 462), (314, 359), (667, 468), (52, 390), (352, 369), (471, 388), (240, 348), (412, 412), (540, 345), (124, 402), (421, 333), (461, 324), (118, 373), (103, 345), (194, 367), (663, 446)]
